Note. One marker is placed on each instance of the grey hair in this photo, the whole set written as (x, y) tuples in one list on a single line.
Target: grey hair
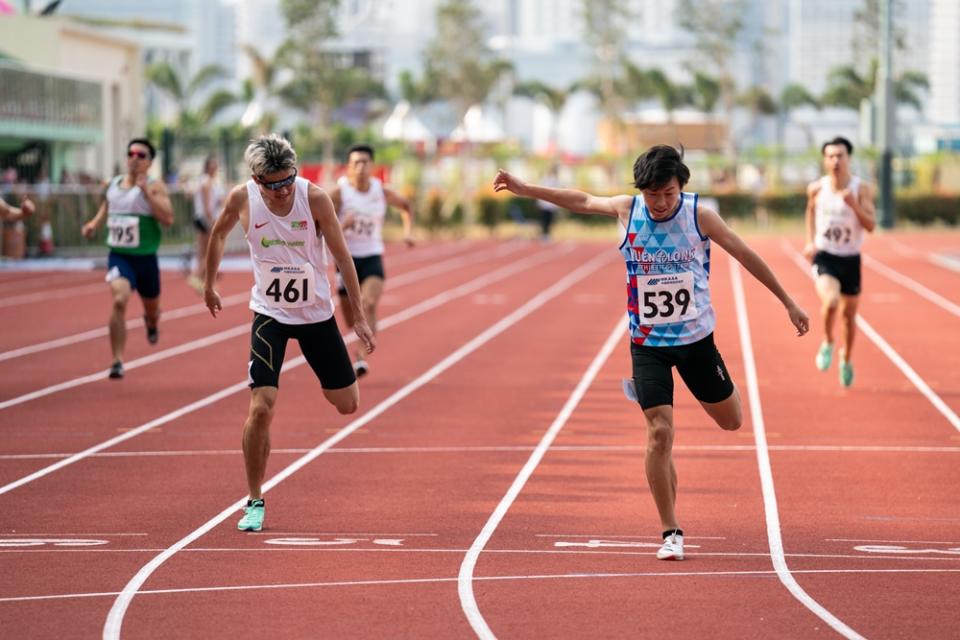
[(270, 154)]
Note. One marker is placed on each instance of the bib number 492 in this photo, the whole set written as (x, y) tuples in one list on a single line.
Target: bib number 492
[(666, 298), (287, 285)]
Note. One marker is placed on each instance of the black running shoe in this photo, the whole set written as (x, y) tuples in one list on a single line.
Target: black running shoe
[(116, 370), (360, 368), (153, 333)]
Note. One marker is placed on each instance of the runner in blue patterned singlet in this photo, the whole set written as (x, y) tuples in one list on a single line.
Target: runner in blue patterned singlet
[(666, 248), (134, 208), (289, 223), (839, 210)]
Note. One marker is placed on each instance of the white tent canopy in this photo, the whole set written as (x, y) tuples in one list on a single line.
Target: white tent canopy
[(478, 126), (403, 124)]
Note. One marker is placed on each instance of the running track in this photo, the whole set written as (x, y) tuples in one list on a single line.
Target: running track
[(492, 483)]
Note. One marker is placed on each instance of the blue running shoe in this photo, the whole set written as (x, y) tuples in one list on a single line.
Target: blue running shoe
[(846, 373), (252, 519), (824, 356)]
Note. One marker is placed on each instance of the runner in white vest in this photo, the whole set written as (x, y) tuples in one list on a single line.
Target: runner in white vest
[(10, 213), (839, 210), (361, 202), (666, 248), (207, 202), (134, 208), (288, 221)]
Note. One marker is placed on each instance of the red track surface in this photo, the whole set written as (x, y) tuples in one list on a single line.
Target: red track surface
[(369, 538)]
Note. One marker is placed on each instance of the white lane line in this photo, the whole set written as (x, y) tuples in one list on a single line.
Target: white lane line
[(887, 350), (891, 541), (618, 537), (386, 323), (912, 284), (493, 449), (770, 508), (401, 581), (195, 309), (468, 601), (112, 626), (99, 376), (56, 294), (238, 330)]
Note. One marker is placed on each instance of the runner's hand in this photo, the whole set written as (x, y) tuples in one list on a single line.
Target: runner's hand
[(212, 299), (508, 181), (799, 319), (141, 181), (348, 221), (362, 329), (88, 230), (409, 241), (809, 251), (27, 207)]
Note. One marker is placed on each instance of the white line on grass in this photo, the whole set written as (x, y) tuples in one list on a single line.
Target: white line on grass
[(888, 351), (468, 600), (406, 314), (770, 508), (112, 626)]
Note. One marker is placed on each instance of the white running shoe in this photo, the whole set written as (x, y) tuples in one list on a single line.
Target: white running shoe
[(672, 548)]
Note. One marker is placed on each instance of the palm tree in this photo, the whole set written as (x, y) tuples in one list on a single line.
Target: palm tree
[(184, 90), (848, 88), (552, 98), (706, 95), (794, 96)]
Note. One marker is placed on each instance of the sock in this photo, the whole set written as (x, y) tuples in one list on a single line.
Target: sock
[(251, 503), (670, 532)]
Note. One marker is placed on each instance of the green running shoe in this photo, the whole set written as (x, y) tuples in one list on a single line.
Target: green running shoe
[(846, 373), (824, 356), (252, 519)]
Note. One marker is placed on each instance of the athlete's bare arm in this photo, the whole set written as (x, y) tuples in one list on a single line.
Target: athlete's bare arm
[(158, 199), (713, 226), (91, 227), (235, 210), (9, 213), (321, 207), (570, 199), (863, 205), (810, 218), (394, 199)]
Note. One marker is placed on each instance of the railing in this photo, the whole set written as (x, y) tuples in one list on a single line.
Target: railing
[(32, 99)]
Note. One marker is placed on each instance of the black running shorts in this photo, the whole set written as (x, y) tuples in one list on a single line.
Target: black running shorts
[(846, 269), (699, 364), (366, 267), (320, 342)]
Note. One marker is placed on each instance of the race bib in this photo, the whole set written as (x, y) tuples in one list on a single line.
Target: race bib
[(288, 285), (123, 231), (363, 227), (663, 299), (837, 235)]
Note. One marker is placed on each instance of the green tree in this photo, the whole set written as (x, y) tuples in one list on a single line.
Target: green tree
[(183, 91), (848, 88), (552, 98), (792, 97), (324, 80)]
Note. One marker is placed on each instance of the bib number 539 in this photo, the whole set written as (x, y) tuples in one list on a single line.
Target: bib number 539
[(666, 298), (287, 285)]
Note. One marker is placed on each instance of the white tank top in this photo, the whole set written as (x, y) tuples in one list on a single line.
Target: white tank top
[(837, 228), (365, 237), (216, 199), (289, 261)]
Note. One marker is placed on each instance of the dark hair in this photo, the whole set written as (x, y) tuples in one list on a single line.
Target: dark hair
[(837, 140), (362, 148), (146, 143), (658, 165)]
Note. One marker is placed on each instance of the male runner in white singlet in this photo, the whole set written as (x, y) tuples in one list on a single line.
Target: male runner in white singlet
[(839, 210), (287, 221), (361, 202)]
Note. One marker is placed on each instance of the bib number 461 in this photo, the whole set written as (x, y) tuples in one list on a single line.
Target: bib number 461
[(287, 285), (293, 292)]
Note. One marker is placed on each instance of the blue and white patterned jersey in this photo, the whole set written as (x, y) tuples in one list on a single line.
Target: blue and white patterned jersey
[(668, 276)]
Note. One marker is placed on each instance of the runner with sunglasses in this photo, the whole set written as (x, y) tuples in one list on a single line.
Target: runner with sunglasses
[(134, 208), (288, 223), (361, 201)]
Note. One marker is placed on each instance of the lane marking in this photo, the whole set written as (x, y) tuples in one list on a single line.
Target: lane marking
[(56, 294), (196, 309), (468, 602), (594, 535), (562, 576), (887, 350), (770, 508), (401, 316), (114, 621), (890, 541), (868, 548), (494, 449), (913, 285)]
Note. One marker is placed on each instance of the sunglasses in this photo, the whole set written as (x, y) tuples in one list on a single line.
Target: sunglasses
[(137, 154), (279, 184)]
